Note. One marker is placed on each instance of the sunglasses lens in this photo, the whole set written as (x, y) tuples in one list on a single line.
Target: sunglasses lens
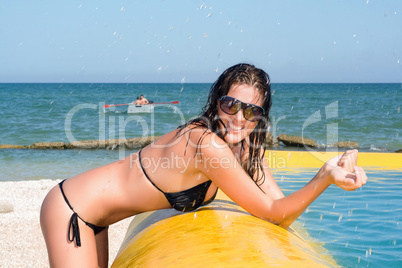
[(230, 105), (249, 114)]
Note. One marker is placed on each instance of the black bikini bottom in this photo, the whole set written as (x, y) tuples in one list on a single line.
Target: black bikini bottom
[(73, 229)]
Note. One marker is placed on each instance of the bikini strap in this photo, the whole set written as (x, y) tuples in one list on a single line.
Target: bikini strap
[(145, 173), (73, 228), (64, 196)]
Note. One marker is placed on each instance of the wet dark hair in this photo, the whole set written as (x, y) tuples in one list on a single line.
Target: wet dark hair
[(239, 74)]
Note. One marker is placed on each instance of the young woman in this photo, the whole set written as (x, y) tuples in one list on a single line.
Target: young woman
[(223, 148)]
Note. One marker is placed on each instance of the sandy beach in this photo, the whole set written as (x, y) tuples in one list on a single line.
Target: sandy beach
[(21, 240)]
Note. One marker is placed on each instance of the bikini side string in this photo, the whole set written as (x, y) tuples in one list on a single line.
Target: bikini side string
[(73, 228)]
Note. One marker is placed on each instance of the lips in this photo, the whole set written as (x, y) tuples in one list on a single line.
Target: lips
[(234, 128)]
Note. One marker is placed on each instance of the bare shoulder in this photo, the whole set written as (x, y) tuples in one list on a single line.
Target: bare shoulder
[(199, 136), (207, 141)]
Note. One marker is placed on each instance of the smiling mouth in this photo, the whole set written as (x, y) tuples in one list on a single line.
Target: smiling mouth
[(234, 128)]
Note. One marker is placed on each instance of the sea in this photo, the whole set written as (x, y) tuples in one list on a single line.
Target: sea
[(359, 229)]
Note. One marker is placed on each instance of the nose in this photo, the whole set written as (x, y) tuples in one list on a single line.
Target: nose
[(239, 116)]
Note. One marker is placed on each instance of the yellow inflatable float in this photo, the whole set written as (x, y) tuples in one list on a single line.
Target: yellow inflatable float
[(222, 234)]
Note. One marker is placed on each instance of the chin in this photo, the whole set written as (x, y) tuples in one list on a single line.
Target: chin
[(234, 138)]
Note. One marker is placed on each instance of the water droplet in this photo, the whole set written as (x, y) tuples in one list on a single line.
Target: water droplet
[(347, 244), (368, 252), (340, 218), (321, 217), (282, 178), (334, 205)]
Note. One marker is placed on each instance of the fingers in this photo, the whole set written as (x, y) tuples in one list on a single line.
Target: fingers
[(361, 176), (359, 179), (348, 160), (349, 181)]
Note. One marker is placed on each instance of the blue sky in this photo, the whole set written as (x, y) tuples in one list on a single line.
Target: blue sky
[(194, 41)]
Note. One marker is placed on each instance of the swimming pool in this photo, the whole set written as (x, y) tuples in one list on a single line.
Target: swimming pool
[(358, 229)]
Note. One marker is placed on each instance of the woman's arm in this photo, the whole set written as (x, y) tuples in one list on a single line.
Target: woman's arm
[(220, 165), (267, 182), (347, 161)]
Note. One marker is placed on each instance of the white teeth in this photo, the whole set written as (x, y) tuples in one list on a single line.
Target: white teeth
[(234, 127)]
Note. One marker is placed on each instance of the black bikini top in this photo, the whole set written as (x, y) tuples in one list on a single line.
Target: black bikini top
[(187, 200)]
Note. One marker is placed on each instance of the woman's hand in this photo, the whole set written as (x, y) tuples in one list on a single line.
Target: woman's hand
[(347, 180), (348, 160), (344, 173)]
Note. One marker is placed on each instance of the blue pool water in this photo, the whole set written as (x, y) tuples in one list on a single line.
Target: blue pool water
[(358, 229)]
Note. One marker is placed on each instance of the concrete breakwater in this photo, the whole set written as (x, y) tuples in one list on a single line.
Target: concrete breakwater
[(133, 143), (138, 143)]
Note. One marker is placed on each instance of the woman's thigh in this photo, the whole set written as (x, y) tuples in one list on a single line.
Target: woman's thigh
[(102, 247), (55, 217)]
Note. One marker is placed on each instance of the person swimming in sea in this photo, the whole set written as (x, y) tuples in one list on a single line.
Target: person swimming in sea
[(222, 148)]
